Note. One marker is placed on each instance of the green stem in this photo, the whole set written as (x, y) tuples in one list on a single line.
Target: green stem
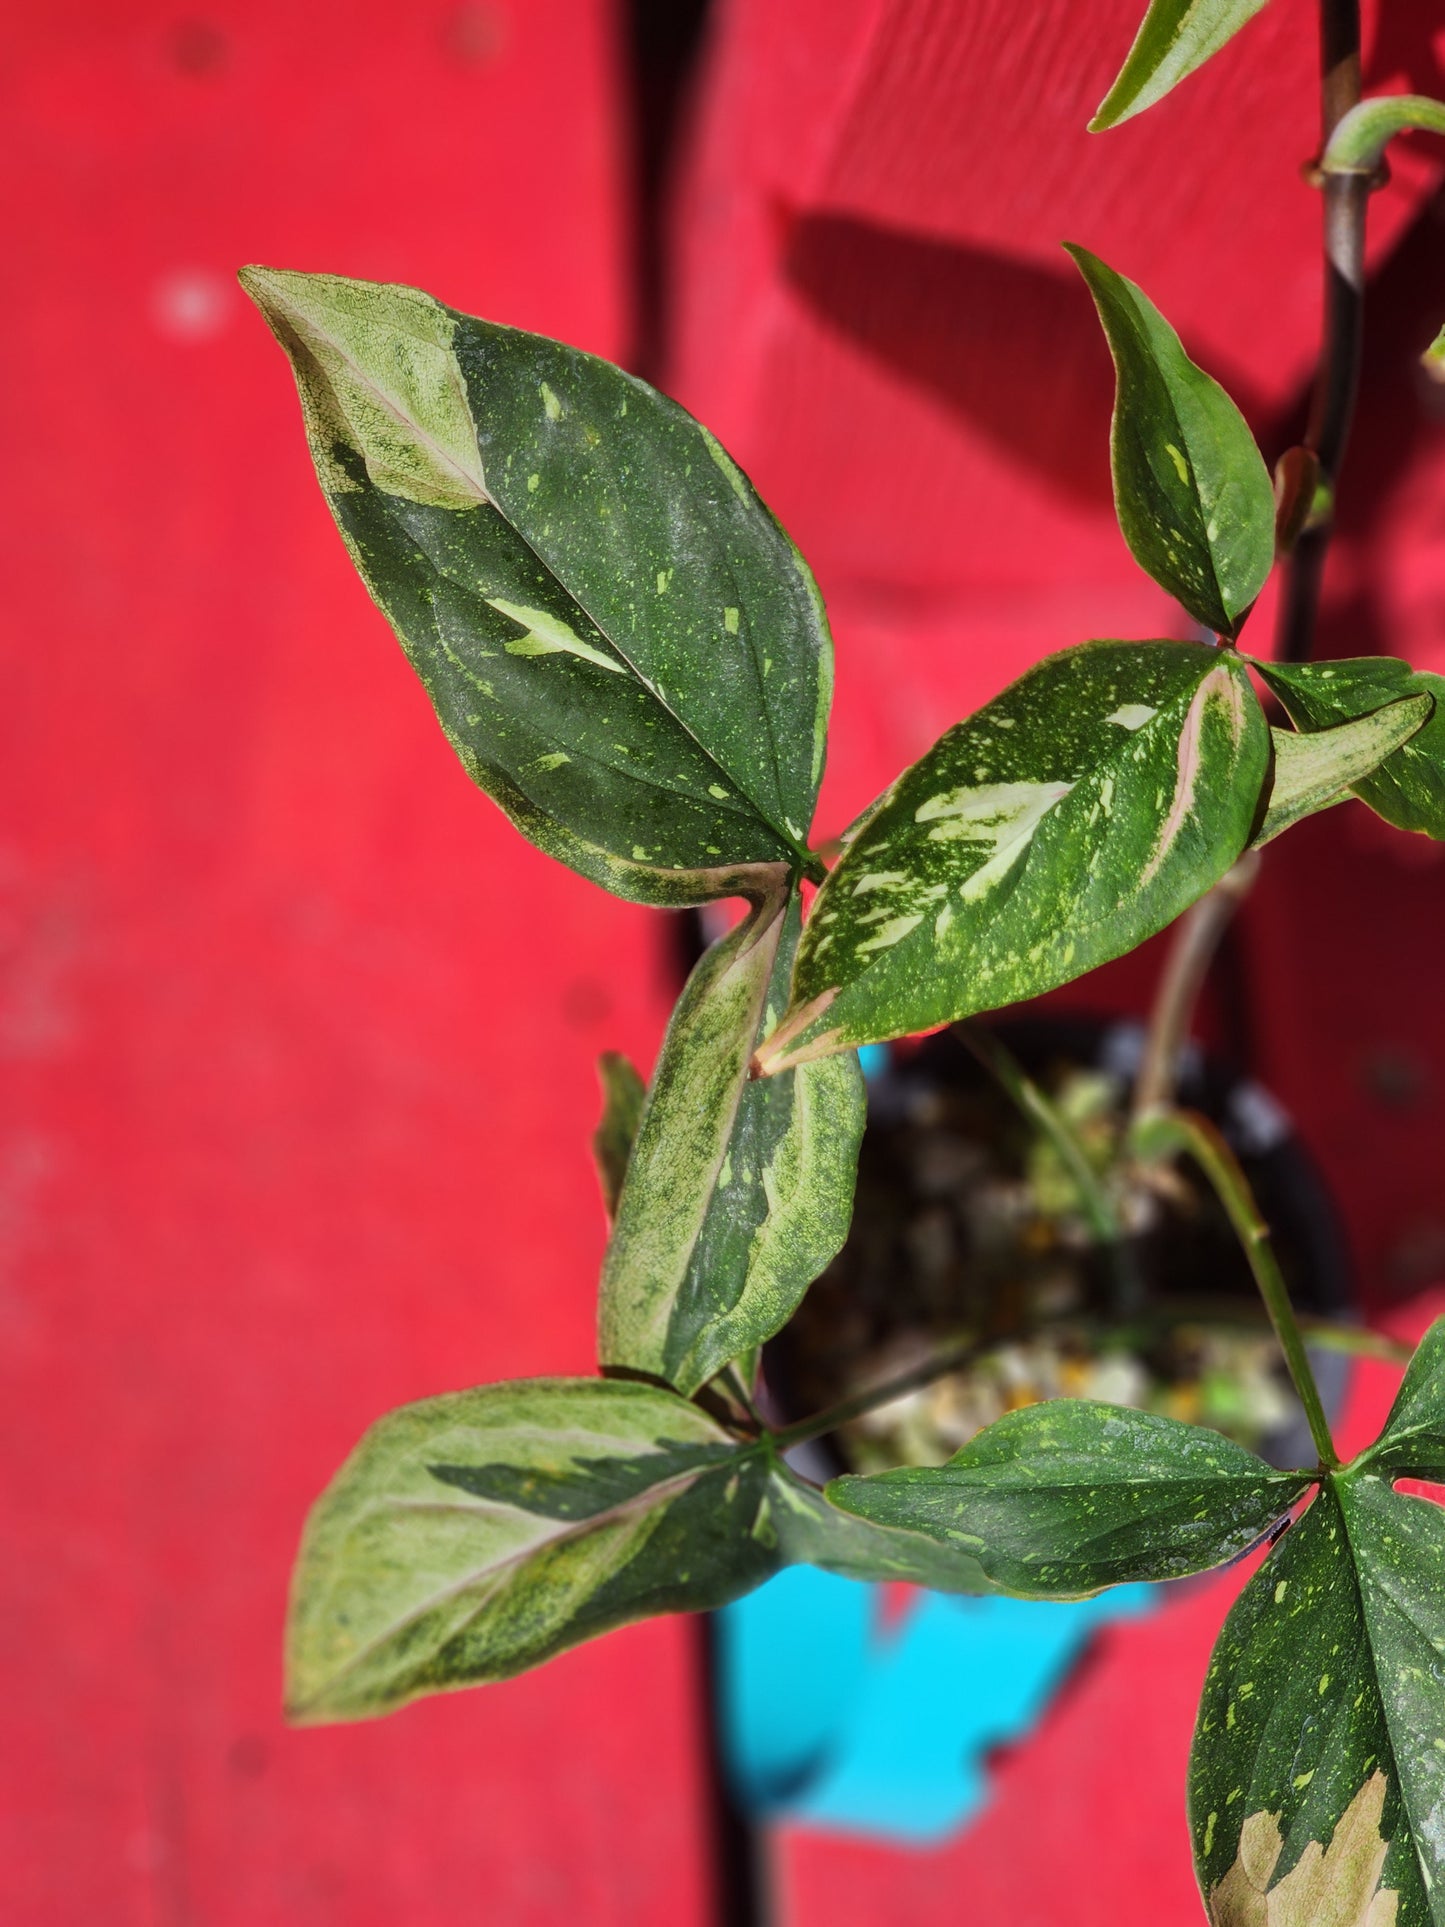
[(1162, 1133), (1098, 1206), (858, 1403)]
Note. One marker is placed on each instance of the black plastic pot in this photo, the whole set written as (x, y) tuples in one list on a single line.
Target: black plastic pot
[(1189, 1258)]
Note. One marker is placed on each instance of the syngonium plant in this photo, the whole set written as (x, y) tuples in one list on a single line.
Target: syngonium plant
[(630, 656)]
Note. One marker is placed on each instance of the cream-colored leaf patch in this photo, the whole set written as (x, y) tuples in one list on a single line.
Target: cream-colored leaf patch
[(548, 635), (1132, 716), (1334, 1886), (376, 372)]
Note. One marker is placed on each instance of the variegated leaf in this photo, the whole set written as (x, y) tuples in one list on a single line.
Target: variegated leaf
[(1413, 1440), (472, 1536), (1176, 37), (1318, 1769), (1313, 771), (1408, 787), (623, 1095), (1066, 1497), (624, 648), (1077, 814), (738, 1192), (1194, 498)]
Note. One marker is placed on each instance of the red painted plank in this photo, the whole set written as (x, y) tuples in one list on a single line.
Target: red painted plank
[(296, 1031)]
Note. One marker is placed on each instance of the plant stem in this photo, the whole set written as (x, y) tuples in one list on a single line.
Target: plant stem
[(1198, 935), (857, 1403), (1332, 407), (1163, 1132), (1098, 1206)]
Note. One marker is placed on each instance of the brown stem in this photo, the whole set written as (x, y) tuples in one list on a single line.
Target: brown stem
[(1197, 937), (1332, 407)]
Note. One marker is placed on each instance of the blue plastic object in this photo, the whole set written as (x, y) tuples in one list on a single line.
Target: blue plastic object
[(832, 1719)]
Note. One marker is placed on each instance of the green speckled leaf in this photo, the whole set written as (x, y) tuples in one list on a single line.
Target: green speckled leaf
[(472, 1536), (1313, 770), (623, 1095), (739, 1191), (1408, 789), (1063, 1498), (1318, 1769), (1193, 495), (624, 648), (1176, 37), (1077, 814), (1413, 1440)]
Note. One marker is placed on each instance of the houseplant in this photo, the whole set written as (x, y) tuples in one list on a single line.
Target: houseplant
[(628, 654)]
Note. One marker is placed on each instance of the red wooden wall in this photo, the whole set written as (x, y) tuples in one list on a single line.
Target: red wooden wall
[(295, 1034)]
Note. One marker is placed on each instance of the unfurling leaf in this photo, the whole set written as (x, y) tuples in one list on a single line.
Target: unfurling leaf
[(623, 1093), (1433, 359), (624, 648), (1316, 1774), (738, 1192), (470, 1537), (1358, 141), (1063, 1498), (1299, 489), (1192, 492), (1176, 37), (1067, 821), (1408, 787), (1314, 770)]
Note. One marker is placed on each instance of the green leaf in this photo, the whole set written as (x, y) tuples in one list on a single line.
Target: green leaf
[(739, 1192), (1433, 359), (470, 1537), (1317, 1773), (1313, 771), (813, 1530), (624, 648), (1176, 37), (1077, 814), (1408, 789), (1064, 1498), (1193, 495), (623, 1094), (1413, 1440)]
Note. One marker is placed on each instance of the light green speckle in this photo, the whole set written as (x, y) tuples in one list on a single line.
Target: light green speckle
[(1302, 1780), (534, 482), (1279, 1592), (717, 790), (639, 855), (550, 403), (730, 621), (553, 761), (1181, 466)]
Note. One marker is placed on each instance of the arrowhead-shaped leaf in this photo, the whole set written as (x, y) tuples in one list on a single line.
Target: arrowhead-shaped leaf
[(1312, 771), (739, 1191), (623, 1095), (1317, 1773), (1077, 814), (1193, 495), (1408, 787), (1413, 1440), (1176, 37), (624, 648), (470, 1537), (1061, 1499)]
